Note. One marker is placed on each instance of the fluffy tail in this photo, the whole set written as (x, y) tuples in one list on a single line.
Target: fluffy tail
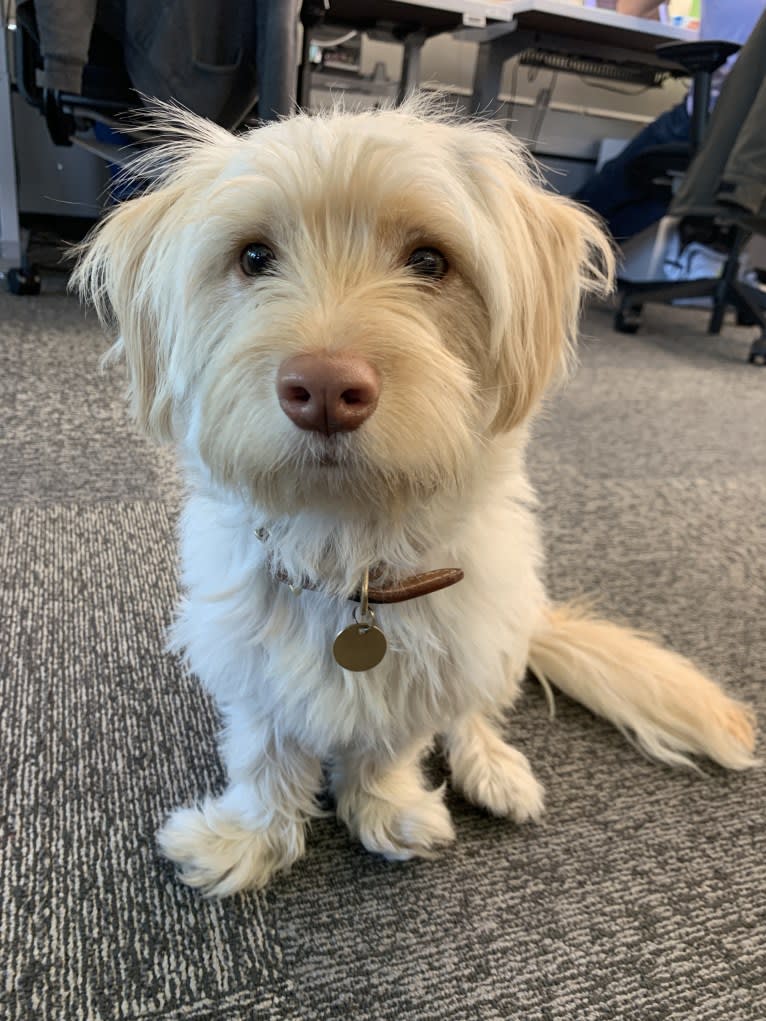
[(650, 693)]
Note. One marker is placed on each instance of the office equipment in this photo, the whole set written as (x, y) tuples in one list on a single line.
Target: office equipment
[(127, 60), (703, 210)]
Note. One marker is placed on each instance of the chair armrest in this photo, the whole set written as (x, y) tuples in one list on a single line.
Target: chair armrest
[(704, 55), (700, 60)]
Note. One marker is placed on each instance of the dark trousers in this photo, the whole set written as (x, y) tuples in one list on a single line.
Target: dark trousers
[(731, 165), (627, 205), (744, 176)]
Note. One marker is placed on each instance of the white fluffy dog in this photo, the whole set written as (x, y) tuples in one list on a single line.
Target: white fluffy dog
[(345, 323)]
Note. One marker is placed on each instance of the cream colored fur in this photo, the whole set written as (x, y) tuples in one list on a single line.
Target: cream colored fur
[(434, 478)]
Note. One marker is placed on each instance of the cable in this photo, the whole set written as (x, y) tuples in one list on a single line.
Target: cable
[(324, 44), (542, 108), (514, 77), (612, 88)]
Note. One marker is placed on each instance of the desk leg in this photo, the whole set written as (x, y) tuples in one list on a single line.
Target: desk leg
[(410, 79), (304, 70), (10, 236), (488, 72), (277, 44)]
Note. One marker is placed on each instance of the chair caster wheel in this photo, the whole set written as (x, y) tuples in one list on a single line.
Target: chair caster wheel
[(23, 281), (758, 351), (628, 320), (746, 318)]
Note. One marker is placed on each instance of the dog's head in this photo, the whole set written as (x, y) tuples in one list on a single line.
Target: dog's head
[(342, 307)]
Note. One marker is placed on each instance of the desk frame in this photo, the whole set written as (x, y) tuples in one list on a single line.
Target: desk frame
[(499, 42), (503, 30)]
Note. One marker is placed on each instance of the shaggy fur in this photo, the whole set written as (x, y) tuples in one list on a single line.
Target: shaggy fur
[(434, 478)]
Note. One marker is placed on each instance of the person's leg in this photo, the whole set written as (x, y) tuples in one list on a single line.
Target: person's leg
[(744, 178), (627, 205)]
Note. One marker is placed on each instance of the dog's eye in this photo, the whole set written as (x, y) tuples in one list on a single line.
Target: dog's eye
[(256, 259), (428, 262)]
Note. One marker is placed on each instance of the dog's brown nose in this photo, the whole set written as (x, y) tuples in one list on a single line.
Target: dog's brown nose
[(327, 393)]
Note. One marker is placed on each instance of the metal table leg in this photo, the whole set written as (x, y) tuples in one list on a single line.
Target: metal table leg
[(494, 51), (410, 79), (10, 235)]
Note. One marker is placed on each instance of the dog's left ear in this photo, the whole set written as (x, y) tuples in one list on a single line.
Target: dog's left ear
[(542, 255)]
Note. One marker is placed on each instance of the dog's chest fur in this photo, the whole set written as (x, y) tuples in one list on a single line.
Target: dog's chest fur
[(256, 643)]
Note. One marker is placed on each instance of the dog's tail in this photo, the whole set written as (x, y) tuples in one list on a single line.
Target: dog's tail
[(652, 694)]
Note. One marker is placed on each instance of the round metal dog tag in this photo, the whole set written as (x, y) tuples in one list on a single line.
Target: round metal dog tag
[(359, 646)]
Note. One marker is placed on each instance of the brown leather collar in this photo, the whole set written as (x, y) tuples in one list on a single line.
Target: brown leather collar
[(398, 591)]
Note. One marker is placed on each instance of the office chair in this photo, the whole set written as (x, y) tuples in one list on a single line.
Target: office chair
[(261, 79), (696, 209), (106, 94), (106, 86), (661, 163)]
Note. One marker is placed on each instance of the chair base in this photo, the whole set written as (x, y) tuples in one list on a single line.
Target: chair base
[(726, 291), (23, 280), (758, 351)]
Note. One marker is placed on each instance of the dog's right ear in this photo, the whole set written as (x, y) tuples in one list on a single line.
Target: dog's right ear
[(119, 273)]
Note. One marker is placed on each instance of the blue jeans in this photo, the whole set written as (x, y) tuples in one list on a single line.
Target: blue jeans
[(121, 189), (626, 206)]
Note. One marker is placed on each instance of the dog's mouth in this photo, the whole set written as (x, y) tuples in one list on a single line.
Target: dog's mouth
[(327, 451)]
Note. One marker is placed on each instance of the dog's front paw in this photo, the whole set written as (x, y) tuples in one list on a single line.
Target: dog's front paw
[(399, 831), (218, 854), (501, 781)]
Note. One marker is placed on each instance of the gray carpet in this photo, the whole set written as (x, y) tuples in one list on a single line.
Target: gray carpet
[(642, 894)]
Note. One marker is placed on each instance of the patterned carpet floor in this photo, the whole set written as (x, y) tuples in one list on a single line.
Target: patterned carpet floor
[(641, 895)]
